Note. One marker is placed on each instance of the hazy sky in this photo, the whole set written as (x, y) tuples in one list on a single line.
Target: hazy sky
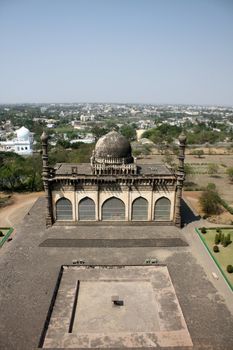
[(150, 51)]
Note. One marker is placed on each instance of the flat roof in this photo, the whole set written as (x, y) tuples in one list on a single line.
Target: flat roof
[(85, 169)]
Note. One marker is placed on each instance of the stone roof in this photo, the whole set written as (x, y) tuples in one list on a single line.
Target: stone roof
[(86, 169)]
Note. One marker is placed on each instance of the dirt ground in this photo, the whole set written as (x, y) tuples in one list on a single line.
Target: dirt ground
[(201, 178), (192, 197), (13, 214)]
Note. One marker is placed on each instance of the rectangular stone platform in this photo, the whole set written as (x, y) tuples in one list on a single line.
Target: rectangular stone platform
[(85, 316)]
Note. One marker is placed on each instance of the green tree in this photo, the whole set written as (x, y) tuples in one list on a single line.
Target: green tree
[(128, 131), (230, 173), (210, 202), (188, 169), (213, 169), (199, 153), (33, 171), (98, 132), (168, 158)]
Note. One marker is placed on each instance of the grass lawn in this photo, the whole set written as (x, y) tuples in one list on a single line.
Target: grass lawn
[(225, 255), (64, 129)]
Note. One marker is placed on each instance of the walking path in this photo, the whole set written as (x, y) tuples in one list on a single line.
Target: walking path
[(199, 251), (13, 214)]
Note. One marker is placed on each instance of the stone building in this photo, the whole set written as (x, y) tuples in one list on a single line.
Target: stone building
[(113, 186)]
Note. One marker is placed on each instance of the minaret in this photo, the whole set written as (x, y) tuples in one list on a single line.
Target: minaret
[(180, 179), (45, 176)]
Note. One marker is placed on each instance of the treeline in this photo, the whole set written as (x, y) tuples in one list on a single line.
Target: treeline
[(22, 174), (197, 134)]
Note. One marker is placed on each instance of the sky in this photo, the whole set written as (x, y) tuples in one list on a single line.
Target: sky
[(128, 51)]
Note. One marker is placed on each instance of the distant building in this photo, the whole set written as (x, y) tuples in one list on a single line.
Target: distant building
[(21, 144), (85, 118)]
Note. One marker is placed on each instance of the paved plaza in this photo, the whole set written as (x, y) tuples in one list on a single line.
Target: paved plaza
[(29, 271)]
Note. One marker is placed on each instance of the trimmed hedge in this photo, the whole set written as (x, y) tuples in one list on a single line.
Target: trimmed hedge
[(229, 268)]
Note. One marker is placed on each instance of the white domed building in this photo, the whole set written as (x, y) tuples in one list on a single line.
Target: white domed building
[(21, 144), (113, 187)]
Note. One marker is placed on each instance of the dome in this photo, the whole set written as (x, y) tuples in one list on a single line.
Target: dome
[(23, 134), (113, 147)]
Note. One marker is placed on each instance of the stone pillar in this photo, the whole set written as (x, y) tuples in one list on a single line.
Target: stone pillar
[(45, 176), (180, 179)]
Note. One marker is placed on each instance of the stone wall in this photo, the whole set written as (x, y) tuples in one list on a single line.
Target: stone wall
[(99, 196)]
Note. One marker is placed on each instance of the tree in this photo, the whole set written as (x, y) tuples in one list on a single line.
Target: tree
[(129, 132), (199, 153), (230, 173), (211, 186), (168, 158), (213, 169), (188, 169), (210, 202), (98, 132)]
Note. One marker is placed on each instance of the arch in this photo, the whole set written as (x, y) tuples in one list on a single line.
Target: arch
[(162, 209), (86, 209), (113, 209), (140, 209), (64, 209)]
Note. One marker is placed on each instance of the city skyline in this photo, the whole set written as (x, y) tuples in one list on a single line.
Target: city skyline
[(153, 52)]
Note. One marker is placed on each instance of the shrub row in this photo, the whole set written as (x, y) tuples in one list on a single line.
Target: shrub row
[(226, 206), (225, 240)]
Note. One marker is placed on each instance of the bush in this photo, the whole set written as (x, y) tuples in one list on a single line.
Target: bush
[(211, 186), (203, 230), (226, 206), (215, 248), (228, 238), (225, 243), (229, 268), (216, 240), (222, 238), (230, 173), (212, 169), (218, 230)]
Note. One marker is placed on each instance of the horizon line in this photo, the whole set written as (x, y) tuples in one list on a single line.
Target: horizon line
[(119, 103)]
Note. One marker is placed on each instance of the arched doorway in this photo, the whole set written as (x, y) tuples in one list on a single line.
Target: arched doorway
[(162, 209), (86, 209), (64, 209), (113, 209), (140, 209)]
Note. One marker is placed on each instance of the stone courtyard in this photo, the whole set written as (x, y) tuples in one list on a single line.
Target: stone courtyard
[(29, 269)]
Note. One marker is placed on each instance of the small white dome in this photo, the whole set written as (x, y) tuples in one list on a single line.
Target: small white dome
[(23, 134)]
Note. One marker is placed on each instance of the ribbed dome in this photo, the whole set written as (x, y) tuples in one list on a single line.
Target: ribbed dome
[(113, 146)]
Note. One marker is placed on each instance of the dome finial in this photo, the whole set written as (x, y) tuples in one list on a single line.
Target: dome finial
[(44, 137), (182, 138)]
